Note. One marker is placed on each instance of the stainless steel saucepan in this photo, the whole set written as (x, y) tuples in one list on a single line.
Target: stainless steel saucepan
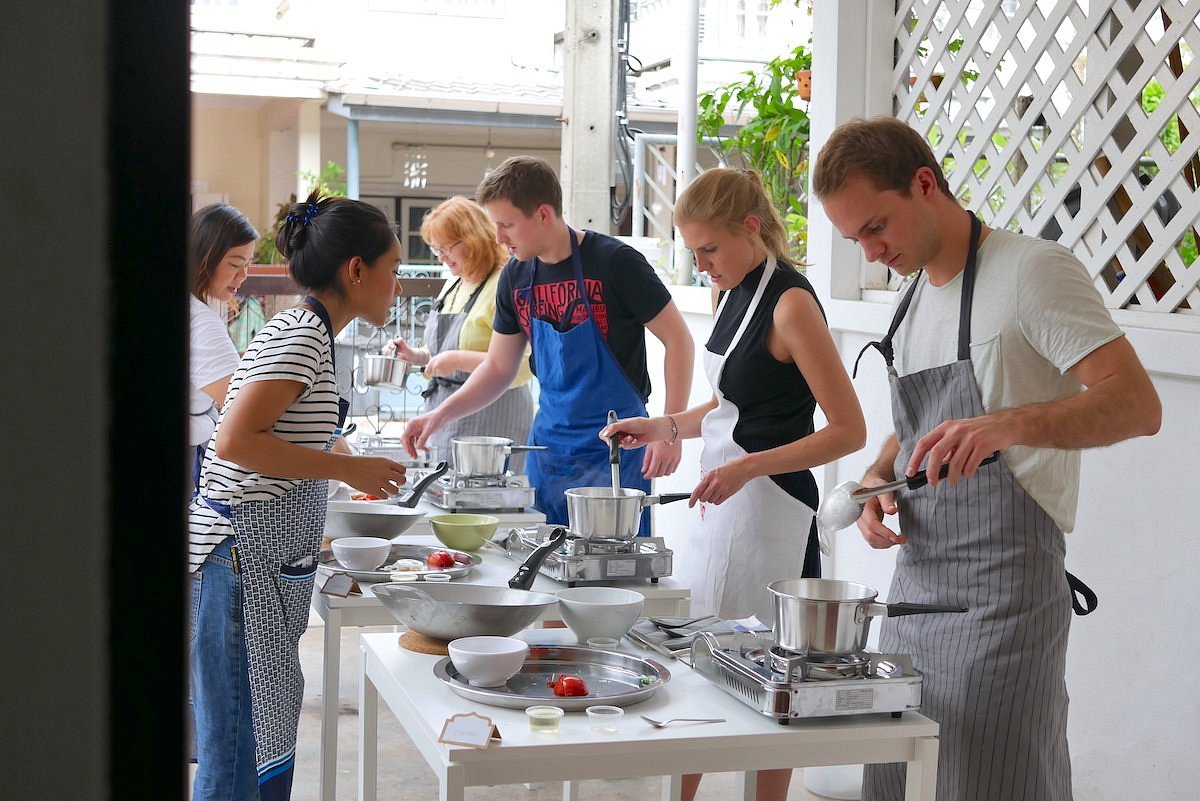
[(485, 456), (832, 618), (596, 513)]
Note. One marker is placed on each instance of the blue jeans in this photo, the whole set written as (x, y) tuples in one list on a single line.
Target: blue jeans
[(221, 683)]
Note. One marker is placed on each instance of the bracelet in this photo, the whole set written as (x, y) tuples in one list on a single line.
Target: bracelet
[(674, 429)]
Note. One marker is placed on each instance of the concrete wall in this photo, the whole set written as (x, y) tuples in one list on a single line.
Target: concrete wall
[(226, 158)]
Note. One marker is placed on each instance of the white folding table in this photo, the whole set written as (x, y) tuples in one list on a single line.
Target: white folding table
[(666, 598), (746, 743)]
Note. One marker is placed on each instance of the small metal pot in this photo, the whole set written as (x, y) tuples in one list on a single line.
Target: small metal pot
[(379, 370), (596, 513), (832, 618), (485, 456)]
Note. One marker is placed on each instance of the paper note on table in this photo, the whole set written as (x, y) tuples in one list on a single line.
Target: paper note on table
[(472, 730)]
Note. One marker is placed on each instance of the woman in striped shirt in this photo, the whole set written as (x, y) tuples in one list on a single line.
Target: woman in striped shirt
[(256, 522)]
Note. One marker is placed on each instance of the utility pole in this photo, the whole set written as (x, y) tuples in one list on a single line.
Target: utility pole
[(589, 103)]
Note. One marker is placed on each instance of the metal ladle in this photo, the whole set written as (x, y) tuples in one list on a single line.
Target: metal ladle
[(844, 505)]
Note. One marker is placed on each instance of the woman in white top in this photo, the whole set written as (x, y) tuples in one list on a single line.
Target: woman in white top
[(219, 252), (256, 523)]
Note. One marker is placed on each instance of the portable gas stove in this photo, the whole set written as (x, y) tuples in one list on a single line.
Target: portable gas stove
[(785, 685), (580, 560), (504, 493)]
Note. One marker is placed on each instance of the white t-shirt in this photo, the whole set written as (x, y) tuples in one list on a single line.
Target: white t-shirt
[(1036, 313), (212, 357), (292, 346)]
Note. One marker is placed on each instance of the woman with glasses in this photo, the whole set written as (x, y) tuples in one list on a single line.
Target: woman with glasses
[(458, 331)]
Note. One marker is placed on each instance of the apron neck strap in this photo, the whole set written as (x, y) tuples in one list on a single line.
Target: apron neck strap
[(884, 346)]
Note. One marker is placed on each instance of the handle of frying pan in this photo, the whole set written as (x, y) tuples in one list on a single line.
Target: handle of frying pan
[(527, 572), (920, 479), (894, 610), (614, 450), (666, 497), (424, 484)]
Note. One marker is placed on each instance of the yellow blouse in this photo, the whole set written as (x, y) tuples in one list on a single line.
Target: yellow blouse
[(476, 331)]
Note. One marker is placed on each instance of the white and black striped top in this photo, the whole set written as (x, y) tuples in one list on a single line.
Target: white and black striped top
[(293, 346)]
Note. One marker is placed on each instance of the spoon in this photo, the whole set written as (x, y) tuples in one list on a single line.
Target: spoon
[(614, 457), (844, 505), (658, 724)]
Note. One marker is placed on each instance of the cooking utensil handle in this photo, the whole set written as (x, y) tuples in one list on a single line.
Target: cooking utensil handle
[(614, 450), (527, 572), (894, 610), (666, 497), (523, 448), (424, 484), (921, 479)]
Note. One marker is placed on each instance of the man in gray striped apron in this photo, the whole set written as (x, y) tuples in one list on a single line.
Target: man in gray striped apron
[(989, 349)]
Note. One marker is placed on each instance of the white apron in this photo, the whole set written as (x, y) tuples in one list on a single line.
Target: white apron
[(755, 537)]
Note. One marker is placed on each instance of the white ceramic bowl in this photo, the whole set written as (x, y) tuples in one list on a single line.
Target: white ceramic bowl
[(361, 553), (368, 519), (488, 661), (599, 611)]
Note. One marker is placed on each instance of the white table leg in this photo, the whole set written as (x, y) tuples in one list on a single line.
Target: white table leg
[(329, 704), (921, 776), (745, 786), (570, 791), (368, 736), (672, 788), (451, 787)]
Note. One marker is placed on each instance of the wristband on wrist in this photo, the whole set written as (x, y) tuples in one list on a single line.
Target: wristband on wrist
[(674, 429)]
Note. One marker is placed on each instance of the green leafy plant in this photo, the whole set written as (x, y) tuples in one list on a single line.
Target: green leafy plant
[(774, 143), (330, 182)]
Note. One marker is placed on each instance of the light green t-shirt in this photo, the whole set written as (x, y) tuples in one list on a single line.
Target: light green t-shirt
[(1036, 313)]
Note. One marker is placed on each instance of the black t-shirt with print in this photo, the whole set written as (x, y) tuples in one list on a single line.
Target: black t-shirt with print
[(624, 291)]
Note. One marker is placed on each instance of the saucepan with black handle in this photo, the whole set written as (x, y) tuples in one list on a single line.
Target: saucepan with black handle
[(826, 617)]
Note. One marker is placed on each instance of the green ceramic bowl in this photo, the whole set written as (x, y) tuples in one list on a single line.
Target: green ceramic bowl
[(464, 532)]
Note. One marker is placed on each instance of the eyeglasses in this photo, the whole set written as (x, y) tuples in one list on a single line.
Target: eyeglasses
[(440, 252)]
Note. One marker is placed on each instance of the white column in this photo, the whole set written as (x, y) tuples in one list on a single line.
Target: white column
[(589, 78), (308, 144), (852, 75), (685, 157)]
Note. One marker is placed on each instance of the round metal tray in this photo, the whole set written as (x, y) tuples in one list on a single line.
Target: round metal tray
[(401, 551), (612, 678)]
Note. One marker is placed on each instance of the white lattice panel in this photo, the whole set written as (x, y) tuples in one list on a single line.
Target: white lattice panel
[(1069, 119)]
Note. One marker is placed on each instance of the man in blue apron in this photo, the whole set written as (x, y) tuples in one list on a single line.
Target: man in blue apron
[(988, 351), (583, 302)]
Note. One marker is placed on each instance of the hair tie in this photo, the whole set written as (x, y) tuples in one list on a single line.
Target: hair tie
[(310, 210)]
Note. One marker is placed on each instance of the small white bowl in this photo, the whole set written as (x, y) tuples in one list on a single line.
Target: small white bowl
[(361, 553), (488, 661), (599, 611)]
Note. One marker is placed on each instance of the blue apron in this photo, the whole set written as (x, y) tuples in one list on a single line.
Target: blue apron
[(579, 380)]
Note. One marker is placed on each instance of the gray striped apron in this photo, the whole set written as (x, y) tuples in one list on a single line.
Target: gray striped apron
[(510, 415), (994, 678), (278, 543)]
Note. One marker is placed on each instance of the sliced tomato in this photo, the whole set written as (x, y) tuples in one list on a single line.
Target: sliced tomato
[(568, 686), (440, 560)]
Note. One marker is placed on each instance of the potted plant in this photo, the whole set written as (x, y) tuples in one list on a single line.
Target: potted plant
[(774, 143)]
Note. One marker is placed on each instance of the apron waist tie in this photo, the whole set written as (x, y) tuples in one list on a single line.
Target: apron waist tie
[(1081, 590)]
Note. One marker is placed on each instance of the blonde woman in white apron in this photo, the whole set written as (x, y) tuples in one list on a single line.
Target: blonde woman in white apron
[(459, 330), (771, 362)]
